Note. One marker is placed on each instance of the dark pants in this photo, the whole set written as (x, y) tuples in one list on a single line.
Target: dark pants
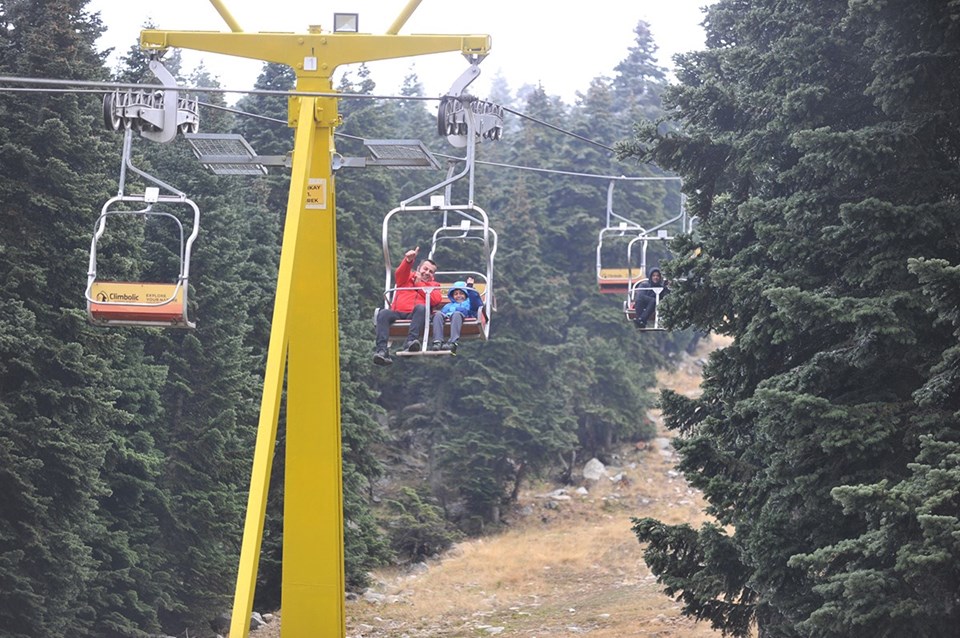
[(386, 317), (644, 305)]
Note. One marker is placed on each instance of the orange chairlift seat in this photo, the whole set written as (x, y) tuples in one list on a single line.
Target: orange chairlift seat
[(616, 276), (474, 226), (136, 303), (617, 280), (463, 121)]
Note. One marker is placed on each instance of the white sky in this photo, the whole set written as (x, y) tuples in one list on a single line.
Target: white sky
[(562, 45)]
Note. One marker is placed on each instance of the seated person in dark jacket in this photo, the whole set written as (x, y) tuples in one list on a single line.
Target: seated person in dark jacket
[(645, 297)]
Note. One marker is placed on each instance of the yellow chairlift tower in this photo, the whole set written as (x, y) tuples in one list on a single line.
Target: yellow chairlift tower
[(304, 335)]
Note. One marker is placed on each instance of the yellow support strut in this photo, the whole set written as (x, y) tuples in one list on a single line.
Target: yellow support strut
[(225, 14), (304, 333), (402, 18)]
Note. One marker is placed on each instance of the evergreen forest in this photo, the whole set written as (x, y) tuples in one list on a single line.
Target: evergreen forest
[(818, 144)]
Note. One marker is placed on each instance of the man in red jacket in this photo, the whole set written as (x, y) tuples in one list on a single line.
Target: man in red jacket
[(409, 302)]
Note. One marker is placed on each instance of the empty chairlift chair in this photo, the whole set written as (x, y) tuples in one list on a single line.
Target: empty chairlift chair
[(157, 116), (164, 303)]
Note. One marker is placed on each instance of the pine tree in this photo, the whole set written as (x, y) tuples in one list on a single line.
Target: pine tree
[(364, 545), (265, 199), (210, 388), (821, 430), (640, 80), (74, 524), (124, 453)]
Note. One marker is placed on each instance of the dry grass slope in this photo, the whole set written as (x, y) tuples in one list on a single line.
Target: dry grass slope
[(566, 571)]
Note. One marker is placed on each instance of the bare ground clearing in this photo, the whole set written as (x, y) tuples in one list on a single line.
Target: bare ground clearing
[(567, 571)]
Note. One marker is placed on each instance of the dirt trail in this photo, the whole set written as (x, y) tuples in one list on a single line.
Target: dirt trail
[(568, 565)]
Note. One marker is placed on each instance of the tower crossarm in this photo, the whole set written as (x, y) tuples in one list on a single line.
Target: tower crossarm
[(315, 55)]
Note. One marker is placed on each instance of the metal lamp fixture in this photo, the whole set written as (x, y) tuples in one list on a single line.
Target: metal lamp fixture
[(346, 22)]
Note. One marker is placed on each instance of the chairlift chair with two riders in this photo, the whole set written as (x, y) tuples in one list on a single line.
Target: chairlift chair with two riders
[(463, 234), (157, 116), (626, 270)]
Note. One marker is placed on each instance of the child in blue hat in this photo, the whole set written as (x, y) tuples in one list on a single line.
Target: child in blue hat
[(465, 301)]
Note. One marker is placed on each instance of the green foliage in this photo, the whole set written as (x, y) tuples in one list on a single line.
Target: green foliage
[(124, 454), (361, 434), (416, 528), (555, 376), (822, 165), (77, 405), (703, 571), (610, 406), (901, 574)]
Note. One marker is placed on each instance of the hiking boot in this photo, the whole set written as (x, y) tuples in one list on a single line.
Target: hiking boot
[(412, 346), (436, 345), (382, 358)]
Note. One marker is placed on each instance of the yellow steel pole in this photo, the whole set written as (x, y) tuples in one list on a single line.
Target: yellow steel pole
[(225, 14), (312, 588), (304, 333), (312, 596), (403, 17), (291, 267)]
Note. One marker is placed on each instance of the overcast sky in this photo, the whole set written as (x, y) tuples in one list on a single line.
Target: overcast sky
[(560, 45)]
